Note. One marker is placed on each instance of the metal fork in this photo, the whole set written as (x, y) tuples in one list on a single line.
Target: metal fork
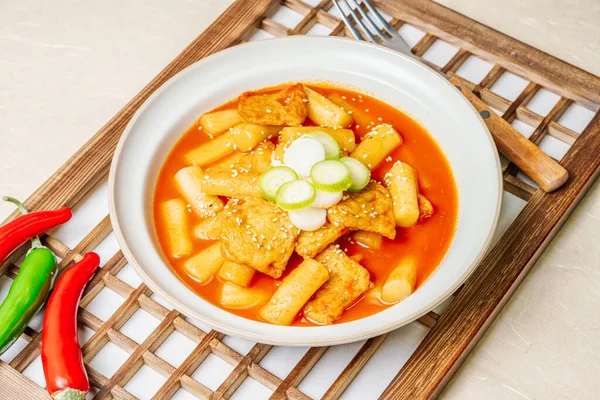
[(540, 167), (388, 36)]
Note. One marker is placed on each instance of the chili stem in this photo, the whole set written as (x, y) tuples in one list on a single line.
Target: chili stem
[(35, 241)]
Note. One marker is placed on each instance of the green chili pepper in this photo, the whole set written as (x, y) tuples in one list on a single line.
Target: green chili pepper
[(27, 293)]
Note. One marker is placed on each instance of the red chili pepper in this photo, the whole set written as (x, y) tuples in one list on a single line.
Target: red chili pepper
[(25, 227), (61, 354)]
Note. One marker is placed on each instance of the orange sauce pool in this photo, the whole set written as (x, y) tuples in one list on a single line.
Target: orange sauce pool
[(428, 241)]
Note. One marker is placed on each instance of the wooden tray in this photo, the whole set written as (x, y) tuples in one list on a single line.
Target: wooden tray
[(448, 337)]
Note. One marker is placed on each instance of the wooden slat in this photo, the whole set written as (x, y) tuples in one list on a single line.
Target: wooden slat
[(522, 99), (187, 367), (134, 362), (516, 56), (456, 61), (563, 133), (489, 80), (559, 108), (297, 374), (118, 319), (353, 368), (529, 117), (269, 380), (519, 188), (14, 385), (494, 100), (240, 372), (423, 45), (499, 274), (429, 319), (274, 28), (539, 132)]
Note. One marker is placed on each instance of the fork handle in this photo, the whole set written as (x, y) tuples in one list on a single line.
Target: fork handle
[(539, 166)]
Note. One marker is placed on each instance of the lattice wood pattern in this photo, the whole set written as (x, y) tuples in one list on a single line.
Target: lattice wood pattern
[(454, 333)]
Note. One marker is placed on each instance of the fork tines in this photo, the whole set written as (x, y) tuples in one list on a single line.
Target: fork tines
[(366, 21)]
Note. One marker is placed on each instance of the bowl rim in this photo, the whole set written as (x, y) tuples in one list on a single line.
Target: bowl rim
[(329, 341)]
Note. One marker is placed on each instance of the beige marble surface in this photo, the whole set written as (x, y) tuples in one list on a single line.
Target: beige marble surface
[(67, 66), (567, 29)]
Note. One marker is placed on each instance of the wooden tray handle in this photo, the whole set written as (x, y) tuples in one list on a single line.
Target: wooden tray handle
[(539, 166)]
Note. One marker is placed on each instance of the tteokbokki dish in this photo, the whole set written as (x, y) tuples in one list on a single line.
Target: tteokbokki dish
[(305, 204)]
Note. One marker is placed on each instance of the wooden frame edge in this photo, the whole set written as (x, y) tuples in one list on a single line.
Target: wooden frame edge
[(505, 51), (497, 277)]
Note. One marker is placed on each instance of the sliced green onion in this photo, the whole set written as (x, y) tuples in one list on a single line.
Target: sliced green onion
[(295, 195), (360, 174), (331, 176), (331, 146), (270, 180)]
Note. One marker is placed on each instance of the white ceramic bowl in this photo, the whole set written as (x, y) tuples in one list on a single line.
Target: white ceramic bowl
[(387, 75)]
